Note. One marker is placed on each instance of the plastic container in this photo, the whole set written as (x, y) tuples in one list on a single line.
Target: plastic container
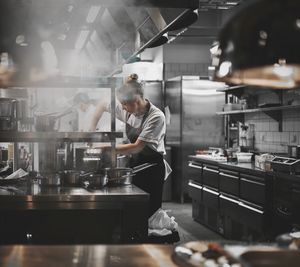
[(244, 157)]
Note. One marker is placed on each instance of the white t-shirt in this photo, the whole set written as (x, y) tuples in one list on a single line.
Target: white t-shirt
[(153, 128), (103, 125)]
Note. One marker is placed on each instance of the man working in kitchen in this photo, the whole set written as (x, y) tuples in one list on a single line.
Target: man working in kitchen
[(145, 129)]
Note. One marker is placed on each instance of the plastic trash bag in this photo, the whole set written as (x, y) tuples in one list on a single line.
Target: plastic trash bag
[(161, 224)]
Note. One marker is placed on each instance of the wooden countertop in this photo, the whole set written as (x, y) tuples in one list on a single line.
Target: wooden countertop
[(87, 256)]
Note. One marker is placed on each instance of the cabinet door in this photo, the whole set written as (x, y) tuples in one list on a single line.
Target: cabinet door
[(253, 189), (211, 176), (251, 216), (210, 198), (229, 182), (229, 206), (195, 171), (195, 191)]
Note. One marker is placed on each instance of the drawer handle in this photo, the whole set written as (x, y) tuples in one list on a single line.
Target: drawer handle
[(195, 166), (229, 199), (250, 208), (228, 175), (194, 185), (210, 170), (252, 182), (210, 191)]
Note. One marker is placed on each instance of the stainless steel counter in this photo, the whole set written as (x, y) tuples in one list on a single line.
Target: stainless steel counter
[(36, 214), (35, 196), (232, 165), (59, 136)]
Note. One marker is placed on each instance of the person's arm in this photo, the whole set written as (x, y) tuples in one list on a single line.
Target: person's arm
[(133, 148), (101, 107), (125, 149)]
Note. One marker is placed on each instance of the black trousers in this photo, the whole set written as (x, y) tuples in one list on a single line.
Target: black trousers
[(151, 180)]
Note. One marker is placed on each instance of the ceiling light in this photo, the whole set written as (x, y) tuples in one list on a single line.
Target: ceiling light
[(260, 45), (81, 39), (93, 13)]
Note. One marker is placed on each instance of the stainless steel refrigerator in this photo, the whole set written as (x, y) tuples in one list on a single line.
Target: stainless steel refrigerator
[(192, 123)]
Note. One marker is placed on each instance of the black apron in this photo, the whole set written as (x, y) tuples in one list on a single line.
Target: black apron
[(150, 180)]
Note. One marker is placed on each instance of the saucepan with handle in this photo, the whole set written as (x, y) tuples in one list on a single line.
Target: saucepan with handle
[(123, 176)]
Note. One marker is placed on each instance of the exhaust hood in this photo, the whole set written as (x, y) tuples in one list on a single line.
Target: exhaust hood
[(74, 38)]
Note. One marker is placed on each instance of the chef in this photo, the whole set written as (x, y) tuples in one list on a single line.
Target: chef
[(145, 129)]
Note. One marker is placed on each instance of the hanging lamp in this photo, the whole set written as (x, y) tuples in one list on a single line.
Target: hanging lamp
[(260, 45)]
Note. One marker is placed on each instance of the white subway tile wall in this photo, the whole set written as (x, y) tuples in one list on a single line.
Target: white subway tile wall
[(268, 138), (267, 135)]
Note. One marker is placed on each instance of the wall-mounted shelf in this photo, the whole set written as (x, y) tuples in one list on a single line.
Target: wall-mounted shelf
[(258, 110), (274, 112), (59, 136)]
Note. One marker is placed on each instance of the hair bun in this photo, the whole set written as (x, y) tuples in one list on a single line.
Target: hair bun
[(132, 77)]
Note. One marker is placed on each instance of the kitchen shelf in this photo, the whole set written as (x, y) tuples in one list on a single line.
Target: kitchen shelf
[(258, 110), (69, 82), (274, 112), (59, 136)]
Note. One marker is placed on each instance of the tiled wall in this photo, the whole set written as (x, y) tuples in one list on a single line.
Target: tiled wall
[(266, 130), (172, 70)]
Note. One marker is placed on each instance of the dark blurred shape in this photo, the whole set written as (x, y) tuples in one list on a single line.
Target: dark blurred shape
[(188, 19), (260, 45), (160, 41)]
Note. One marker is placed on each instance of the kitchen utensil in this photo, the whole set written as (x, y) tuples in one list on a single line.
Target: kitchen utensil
[(49, 179), (71, 178), (123, 176), (286, 165), (244, 157), (93, 180)]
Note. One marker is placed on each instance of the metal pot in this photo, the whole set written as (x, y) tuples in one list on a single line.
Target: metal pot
[(71, 178), (51, 179), (94, 180), (123, 176), (123, 161)]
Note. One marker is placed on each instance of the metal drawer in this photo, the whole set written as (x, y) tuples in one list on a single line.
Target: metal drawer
[(195, 191), (229, 183), (210, 198), (210, 177), (195, 171), (253, 189), (251, 216)]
